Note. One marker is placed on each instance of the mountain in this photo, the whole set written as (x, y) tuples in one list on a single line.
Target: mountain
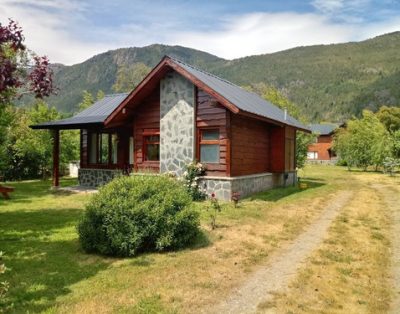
[(328, 82)]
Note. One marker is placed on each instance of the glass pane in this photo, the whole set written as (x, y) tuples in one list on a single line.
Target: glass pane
[(103, 148), (208, 135), (209, 153), (114, 147), (131, 150), (153, 152), (92, 149)]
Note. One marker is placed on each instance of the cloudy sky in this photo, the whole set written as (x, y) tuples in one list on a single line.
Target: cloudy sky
[(71, 31)]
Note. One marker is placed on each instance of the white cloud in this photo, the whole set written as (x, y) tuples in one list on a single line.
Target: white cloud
[(265, 32), (62, 29)]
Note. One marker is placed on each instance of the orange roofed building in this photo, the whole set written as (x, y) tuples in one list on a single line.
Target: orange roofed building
[(321, 150)]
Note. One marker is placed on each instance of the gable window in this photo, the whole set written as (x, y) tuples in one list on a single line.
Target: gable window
[(103, 148), (209, 145), (151, 146)]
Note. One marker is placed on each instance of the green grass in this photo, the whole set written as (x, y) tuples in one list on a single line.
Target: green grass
[(50, 273)]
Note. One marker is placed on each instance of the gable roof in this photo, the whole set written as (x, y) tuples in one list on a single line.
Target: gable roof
[(233, 97), (323, 129), (236, 99), (95, 114), (244, 100)]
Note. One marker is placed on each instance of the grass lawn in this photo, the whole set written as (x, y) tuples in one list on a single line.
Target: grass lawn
[(50, 273)]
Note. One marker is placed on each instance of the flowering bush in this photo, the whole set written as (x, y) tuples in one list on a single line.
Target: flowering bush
[(191, 178)]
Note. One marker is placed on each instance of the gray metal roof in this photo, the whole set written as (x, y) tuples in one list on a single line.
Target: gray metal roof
[(241, 98), (95, 114), (323, 129)]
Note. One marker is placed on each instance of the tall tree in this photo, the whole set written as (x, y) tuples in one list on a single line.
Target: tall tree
[(87, 100), (129, 77), (364, 142)]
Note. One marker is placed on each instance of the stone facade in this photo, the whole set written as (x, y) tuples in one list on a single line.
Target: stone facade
[(177, 132), (223, 187), (96, 177)]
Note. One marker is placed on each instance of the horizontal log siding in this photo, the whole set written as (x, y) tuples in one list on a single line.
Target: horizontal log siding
[(147, 117), (250, 146), (209, 115), (277, 149)]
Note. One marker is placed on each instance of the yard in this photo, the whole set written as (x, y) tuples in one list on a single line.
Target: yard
[(48, 272)]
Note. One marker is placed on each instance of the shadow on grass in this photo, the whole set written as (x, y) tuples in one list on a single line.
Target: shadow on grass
[(28, 191), (277, 194), (44, 258)]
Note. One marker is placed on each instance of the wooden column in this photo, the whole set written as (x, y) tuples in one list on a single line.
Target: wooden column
[(56, 158)]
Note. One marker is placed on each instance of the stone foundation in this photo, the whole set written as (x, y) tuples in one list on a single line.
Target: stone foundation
[(89, 177), (223, 187)]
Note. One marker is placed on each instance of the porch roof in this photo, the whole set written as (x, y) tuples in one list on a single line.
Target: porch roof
[(94, 115)]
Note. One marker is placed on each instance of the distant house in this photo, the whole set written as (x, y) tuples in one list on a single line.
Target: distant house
[(179, 114), (321, 150)]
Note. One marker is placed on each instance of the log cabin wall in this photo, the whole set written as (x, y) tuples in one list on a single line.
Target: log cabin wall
[(147, 119), (250, 144), (211, 115), (84, 148), (290, 149), (277, 149)]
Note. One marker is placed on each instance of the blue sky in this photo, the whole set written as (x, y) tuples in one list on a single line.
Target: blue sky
[(71, 31)]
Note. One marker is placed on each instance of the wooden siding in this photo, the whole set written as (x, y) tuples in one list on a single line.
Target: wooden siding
[(250, 146), (147, 118), (210, 114), (290, 152), (277, 149), (84, 148)]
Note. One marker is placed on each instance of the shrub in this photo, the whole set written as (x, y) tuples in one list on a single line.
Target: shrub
[(138, 213), (191, 178)]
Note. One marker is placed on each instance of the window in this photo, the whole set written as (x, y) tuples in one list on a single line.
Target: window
[(151, 147), (209, 146), (103, 148), (312, 155)]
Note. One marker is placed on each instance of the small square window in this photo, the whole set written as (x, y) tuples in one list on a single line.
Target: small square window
[(209, 146), (152, 147)]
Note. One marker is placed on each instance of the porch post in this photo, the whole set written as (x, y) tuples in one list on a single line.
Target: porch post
[(56, 158)]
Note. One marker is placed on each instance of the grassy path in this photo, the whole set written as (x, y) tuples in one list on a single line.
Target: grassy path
[(275, 276), (351, 271)]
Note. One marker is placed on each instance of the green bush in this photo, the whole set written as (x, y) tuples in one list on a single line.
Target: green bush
[(136, 214)]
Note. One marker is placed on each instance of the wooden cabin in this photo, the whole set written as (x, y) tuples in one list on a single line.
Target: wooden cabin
[(321, 151), (179, 114)]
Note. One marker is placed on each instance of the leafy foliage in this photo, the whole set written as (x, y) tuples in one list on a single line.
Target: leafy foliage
[(215, 208), (27, 153), (128, 77), (364, 142), (4, 286), (14, 60), (136, 214)]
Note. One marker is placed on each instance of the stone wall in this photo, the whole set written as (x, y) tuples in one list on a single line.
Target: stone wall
[(96, 177), (246, 185), (177, 132)]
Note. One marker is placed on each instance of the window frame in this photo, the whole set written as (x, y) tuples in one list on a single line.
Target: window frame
[(146, 134), (201, 141), (98, 136)]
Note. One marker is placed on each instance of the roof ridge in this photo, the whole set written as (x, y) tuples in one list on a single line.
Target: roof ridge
[(203, 71), (222, 79)]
